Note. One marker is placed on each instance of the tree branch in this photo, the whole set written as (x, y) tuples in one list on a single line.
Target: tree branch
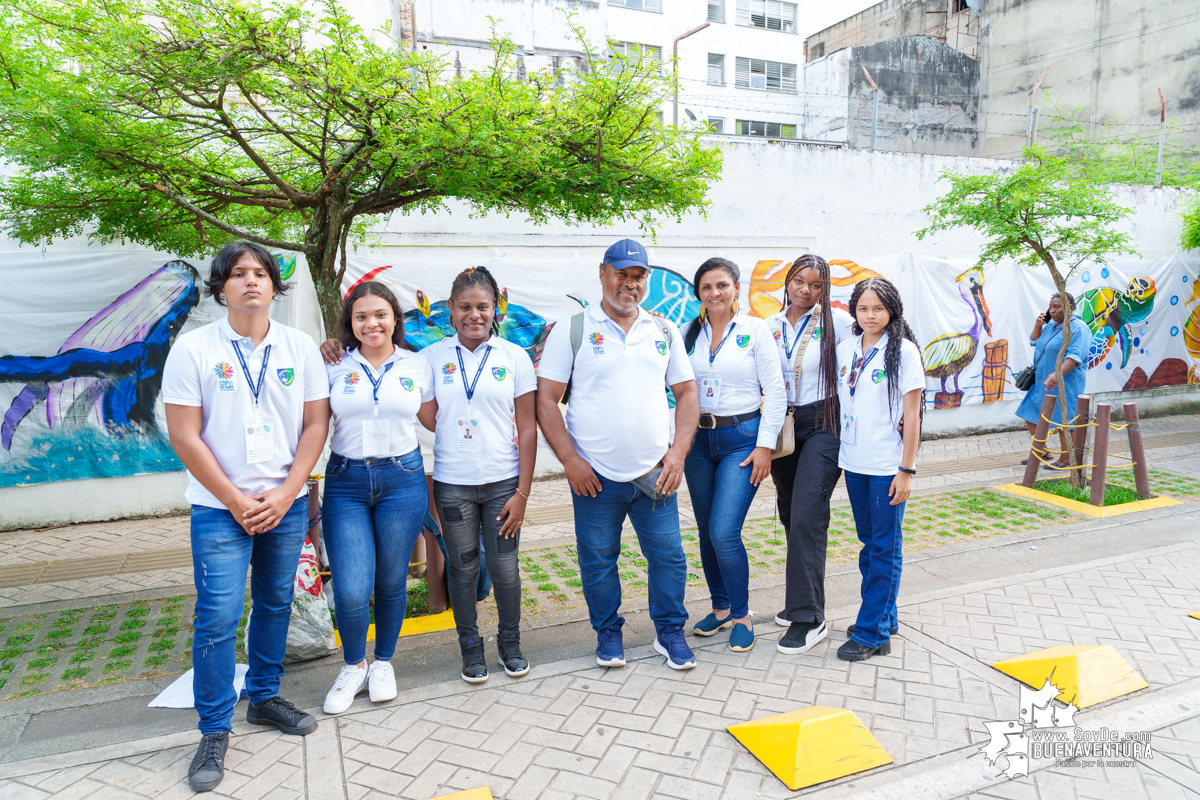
[(220, 224)]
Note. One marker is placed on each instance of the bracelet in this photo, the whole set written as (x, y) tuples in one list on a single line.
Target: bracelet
[(522, 493), (908, 471)]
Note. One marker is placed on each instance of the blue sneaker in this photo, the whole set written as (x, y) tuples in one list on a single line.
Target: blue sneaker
[(741, 638), (672, 645), (710, 625), (610, 652)]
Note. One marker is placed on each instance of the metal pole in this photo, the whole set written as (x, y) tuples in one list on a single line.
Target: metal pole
[(874, 106), (1033, 127), (1162, 133), (675, 68), (1031, 115), (1041, 434), (1100, 453), (1137, 452)]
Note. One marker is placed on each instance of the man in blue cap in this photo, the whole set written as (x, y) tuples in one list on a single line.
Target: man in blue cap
[(616, 447)]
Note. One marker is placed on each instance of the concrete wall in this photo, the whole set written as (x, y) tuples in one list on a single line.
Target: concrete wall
[(892, 19)]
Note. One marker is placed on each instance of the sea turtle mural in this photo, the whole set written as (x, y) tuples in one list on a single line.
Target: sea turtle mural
[(1108, 314)]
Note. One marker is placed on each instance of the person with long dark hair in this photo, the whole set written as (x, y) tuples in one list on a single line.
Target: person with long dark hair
[(484, 452), (375, 492), (807, 333), (881, 385), (742, 405)]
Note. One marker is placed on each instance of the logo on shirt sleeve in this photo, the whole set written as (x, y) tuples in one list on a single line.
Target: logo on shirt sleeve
[(224, 372), (286, 376), (499, 372), (661, 347), (597, 340), (448, 371), (406, 384), (350, 382), (877, 376), (742, 341)]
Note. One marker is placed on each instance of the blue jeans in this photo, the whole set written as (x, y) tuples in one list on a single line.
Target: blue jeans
[(721, 495), (373, 512), (221, 553), (598, 522), (878, 524)]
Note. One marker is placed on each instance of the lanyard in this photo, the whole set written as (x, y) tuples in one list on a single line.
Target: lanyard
[(863, 369), (470, 390), (254, 388), (375, 384), (799, 336), (713, 355)]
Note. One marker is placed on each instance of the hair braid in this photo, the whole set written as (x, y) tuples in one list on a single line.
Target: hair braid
[(481, 278), (897, 329), (827, 372)]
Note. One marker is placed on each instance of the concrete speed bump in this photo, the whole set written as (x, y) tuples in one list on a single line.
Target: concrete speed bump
[(482, 793), (1195, 614), (1084, 675), (812, 745)]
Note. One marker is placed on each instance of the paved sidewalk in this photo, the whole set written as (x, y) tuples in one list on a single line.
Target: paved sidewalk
[(571, 729)]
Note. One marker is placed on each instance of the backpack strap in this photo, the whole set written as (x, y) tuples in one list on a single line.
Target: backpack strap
[(664, 328), (576, 343)]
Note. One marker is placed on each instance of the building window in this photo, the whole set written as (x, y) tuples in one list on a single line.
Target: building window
[(634, 51), (755, 73), (767, 130), (820, 50), (770, 15), (716, 125), (640, 5), (716, 10), (716, 69)]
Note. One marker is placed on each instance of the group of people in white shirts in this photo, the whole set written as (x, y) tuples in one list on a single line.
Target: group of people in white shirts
[(804, 396)]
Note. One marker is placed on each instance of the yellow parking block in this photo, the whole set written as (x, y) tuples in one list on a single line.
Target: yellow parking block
[(811, 745), (411, 627), (1087, 508), (482, 793), (1195, 614), (1084, 675)]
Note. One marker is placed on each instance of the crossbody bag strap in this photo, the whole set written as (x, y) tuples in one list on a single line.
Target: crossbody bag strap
[(798, 356)]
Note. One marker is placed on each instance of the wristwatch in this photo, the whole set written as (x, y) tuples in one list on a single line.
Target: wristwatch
[(907, 470)]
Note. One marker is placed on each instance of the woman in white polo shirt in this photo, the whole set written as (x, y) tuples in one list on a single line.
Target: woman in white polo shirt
[(881, 384), (742, 404), (375, 492), (484, 451), (807, 332)]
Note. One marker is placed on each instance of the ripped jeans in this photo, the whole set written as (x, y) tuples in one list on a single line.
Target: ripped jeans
[(221, 553)]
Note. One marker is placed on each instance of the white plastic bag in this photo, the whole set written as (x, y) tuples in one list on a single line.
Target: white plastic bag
[(310, 632)]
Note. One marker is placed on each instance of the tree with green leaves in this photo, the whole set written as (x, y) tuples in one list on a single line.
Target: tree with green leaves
[(1043, 213), (186, 124)]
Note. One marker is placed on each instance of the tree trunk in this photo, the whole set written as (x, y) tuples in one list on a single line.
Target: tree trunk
[(329, 295), (1060, 283), (328, 229)]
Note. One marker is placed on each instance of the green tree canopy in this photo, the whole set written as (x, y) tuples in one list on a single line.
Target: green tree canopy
[(183, 124)]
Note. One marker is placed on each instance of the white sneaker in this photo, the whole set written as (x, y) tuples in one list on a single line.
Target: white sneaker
[(383, 681), (350, 681)]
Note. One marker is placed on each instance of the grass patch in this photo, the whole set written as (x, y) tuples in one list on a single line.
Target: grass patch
[(127, 636), (43, 663), (33, 679), (76, 673), (156, 661), (117, 666), (1114, 495), (122, 650)]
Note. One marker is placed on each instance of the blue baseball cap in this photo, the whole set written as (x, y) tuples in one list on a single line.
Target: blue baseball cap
[(626, 253)]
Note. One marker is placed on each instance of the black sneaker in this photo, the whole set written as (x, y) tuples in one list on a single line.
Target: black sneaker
[(850, 629), (782, 621), (509, 646), (208, 766), (279, 713), (474, 669), (853, 651), (801, 637)]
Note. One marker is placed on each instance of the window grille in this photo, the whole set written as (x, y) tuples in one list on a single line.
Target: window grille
[(640, 5), (716, 10), (767, 130), (770, 15), (716, 69), (756, 73)]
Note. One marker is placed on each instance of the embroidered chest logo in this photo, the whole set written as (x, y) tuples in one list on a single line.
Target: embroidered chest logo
[(448, 371), (877, 376), (499, 373), (778, 335), (816, 333), (661, 347), (406, 384), (350, 381), (841, 374), (597, 340), (224, 372), (742, 341), (286, 376)]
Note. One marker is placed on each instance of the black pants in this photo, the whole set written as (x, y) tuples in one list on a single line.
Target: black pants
[(804, 483)]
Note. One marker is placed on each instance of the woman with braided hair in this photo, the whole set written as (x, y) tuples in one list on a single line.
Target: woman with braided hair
[(881, 386), (807, 333)]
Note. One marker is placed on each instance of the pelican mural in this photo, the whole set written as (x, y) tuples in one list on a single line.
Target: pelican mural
[(951, 353)]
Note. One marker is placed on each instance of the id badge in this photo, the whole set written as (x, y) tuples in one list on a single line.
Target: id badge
[(376, 438), (710, 393), (848, 426), (468, 434), (260, 440)]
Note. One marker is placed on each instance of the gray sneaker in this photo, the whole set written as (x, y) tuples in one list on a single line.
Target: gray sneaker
[(208, 765)]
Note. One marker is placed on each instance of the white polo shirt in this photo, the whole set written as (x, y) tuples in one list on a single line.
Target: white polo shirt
[(877, 445), (403, 387), (786, 335), (505, 373), (618, 417), (203, 370), (742, 376)]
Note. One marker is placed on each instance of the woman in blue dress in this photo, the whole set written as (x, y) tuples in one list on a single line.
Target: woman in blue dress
[(1047, 338)]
